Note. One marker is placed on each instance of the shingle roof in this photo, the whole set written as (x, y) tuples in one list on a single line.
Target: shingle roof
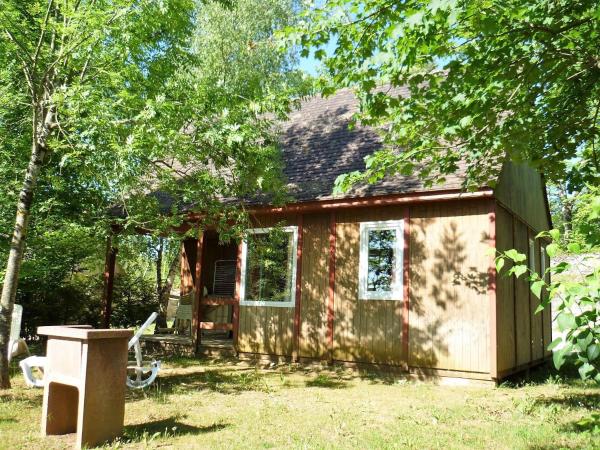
[(318, 146)]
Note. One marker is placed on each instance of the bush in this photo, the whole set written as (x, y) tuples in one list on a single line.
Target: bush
[(134, 299)]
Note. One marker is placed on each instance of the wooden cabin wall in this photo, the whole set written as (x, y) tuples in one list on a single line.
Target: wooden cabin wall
[(267, 330), (529, 333), (505, 297), (521, 189), (364, 330), (521, 299), (449, 320), (315, 286), (449, 301)]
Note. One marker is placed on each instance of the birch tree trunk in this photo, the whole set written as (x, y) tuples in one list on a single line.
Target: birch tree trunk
[(42, 130)]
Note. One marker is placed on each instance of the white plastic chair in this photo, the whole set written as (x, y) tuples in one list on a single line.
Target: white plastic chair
[(27, 366), (16, 345), (140, 369), (138, 382)]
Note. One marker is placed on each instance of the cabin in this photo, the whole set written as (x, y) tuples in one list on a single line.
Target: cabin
[(394, 274)]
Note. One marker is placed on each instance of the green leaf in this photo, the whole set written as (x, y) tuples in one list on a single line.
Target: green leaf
[(536, 288), (499, 264), (566, 321), (515, 255), (552, 249), (519, 270), (559, 357), (584, 342), (585, 370), (554, 343), (574, 247), (555, 234), (466, 121), (593, 351)]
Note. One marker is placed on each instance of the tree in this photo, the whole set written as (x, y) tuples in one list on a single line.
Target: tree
[(163, 289), (111, 94), (486, 79), (477, 82), (65, 54)]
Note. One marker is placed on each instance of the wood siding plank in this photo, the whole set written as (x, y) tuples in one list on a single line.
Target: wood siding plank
[(522, 307), (505, 295), (315, 286)]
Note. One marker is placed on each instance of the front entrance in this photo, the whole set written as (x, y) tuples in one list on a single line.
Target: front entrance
[(218, 305)]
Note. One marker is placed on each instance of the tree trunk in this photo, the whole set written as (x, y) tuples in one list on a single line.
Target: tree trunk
[(108, 276), (159, 260), (17, 245), (164, 292)]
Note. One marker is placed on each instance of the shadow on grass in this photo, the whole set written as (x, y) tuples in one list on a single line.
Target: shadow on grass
[(8, 420), (167, 428), (371, 373), (229, 376), (223, 381), (547, 374), (326, 381), (589, 424), (182, 362), (586, 426), (22, 399), (380, 377), (586, 402)]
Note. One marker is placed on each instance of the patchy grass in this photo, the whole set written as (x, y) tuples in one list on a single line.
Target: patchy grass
[(228, 404)]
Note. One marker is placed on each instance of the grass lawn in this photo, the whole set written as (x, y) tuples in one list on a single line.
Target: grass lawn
[(229, 404)]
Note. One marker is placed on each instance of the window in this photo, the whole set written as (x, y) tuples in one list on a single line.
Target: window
[(544, 263), (380, 266), (269, 267), (531, 258)]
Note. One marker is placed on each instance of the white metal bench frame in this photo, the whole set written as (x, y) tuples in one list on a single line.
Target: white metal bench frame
[(138, 366)]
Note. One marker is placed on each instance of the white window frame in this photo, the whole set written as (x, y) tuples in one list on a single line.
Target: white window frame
[(397, 291), (291, 302)]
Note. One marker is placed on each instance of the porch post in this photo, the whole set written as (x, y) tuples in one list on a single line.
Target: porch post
[(198, 289), (236, 305), (109, 280)]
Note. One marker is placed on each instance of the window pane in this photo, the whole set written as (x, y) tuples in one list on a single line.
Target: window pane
[(381, 260), (269, 266)]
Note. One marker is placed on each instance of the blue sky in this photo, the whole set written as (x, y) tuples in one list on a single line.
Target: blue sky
[(310, 64)]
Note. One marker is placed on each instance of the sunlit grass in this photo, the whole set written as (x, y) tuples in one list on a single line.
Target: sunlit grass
[(228, 404)]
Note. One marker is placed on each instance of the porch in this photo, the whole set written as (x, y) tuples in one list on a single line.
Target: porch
[(202, 315)]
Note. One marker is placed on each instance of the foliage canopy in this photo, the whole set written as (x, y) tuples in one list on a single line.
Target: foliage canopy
[(486, 81), (486, 78)]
